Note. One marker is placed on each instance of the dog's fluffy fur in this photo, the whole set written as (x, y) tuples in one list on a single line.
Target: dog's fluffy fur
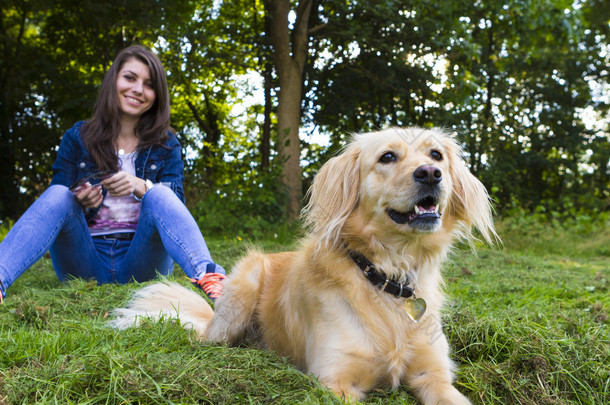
[(315, 306)]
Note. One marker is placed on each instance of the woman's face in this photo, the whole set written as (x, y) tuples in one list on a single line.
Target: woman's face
[(134, 89)]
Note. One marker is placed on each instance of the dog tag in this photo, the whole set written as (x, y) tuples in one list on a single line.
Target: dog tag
[(415, 307)]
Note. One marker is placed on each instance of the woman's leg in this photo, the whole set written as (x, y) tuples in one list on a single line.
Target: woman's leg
[(166, 229), (55, 221)]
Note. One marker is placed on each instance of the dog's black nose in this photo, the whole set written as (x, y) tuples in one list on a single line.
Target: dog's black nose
[(430, 175)]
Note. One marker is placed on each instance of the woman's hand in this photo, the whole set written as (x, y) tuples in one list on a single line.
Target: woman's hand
[(89, 196), (124, 183)]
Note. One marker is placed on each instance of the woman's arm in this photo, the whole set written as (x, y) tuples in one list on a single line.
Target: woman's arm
[(172, 173), (65, 167)]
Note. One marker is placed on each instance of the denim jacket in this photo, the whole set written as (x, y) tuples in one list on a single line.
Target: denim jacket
[(156, 163)]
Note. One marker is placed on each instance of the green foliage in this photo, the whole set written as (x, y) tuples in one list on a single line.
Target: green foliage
[(531, 67), (244, 207), (229, 193), (204, 67), (513, 79), (574, 232), (377, 75), (5, 226)]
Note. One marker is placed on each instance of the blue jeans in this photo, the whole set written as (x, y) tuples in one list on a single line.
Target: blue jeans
[(166, 233)]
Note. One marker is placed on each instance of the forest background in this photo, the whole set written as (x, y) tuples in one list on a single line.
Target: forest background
[(264, 92)]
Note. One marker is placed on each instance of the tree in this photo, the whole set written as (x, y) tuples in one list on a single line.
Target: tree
[(22, 136), (512, 79), (527, 70), (376, 65), (290, 49)]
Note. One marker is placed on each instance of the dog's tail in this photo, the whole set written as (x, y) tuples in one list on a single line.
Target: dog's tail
[(165, 301)]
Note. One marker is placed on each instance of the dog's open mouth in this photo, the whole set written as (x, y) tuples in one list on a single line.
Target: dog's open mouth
[(424, 214)]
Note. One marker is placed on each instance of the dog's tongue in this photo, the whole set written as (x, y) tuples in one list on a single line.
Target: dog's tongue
[(426, 208)]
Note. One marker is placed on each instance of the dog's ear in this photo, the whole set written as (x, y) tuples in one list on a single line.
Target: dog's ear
[(469, 203), (333, 196)]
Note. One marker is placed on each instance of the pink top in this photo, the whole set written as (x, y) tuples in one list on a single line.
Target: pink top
[(118, 214)]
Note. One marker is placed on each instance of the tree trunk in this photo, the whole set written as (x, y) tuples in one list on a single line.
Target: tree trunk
[(210, 127), (265, 148), (289, 56)]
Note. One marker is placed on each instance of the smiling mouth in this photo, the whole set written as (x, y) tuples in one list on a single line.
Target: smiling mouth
[(424, 214), (132, 100)]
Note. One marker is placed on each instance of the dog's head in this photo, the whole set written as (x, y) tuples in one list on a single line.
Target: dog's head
[(399, 183)]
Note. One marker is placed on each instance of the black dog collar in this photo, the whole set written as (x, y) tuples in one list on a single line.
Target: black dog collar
[(378, 277)]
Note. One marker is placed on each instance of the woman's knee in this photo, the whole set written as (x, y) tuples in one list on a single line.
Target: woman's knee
[(161, 201), (59, 195), (159, 195)]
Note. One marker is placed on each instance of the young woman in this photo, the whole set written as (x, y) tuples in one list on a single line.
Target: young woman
[(115, 209)]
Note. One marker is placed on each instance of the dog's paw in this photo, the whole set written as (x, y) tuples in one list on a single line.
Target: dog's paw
[(446, 396)]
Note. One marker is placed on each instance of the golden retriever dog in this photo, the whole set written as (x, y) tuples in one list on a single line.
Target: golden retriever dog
[(359, 303)]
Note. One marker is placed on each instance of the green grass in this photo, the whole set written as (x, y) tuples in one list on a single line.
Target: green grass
[(528, 324)]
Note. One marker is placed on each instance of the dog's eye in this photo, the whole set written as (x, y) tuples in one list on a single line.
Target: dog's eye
[(387, 157), (436, 155)]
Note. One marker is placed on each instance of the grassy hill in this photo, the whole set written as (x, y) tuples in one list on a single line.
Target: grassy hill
[(527, 321)]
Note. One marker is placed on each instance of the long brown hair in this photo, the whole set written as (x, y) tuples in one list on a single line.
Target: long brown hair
[(100, 132)]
